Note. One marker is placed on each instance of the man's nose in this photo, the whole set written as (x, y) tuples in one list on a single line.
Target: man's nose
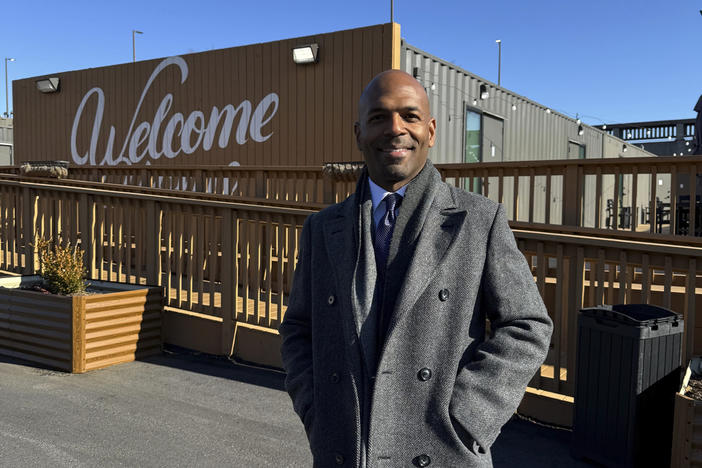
[(396, 125)]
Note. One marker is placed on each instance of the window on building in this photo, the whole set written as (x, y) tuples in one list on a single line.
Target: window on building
[(473, 137), (472, 149)]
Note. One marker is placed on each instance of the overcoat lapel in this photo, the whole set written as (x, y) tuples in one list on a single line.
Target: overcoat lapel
[(349, 246), (340, 236), (437, 232)]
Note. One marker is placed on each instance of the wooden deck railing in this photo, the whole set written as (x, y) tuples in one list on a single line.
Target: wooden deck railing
[(223, 264), (222, 261), (577, 269), (631, 194)]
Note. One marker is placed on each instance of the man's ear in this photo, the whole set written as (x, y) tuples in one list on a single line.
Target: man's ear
[(432, 131), (357, 132)]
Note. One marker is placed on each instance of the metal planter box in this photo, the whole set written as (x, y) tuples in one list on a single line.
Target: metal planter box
[(117, 324), (687, 428)]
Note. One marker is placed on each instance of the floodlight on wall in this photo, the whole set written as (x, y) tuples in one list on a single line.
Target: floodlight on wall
[(475, 102), (604, 127), (548, 111), (624, 148), (581, 130), (514, 107), (484, 93), (48, 85), (306, 54)]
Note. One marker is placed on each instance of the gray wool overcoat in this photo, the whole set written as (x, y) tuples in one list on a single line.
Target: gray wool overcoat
[(439, 390)]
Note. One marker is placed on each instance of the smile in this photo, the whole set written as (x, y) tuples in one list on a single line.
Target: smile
[(392, 151)]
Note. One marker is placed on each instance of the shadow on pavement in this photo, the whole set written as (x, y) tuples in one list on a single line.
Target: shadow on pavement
[(217, 366)]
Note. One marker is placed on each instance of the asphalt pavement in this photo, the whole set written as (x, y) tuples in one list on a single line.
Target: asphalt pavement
[(183, 409)]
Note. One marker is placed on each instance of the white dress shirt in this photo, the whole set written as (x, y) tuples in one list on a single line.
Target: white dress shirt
[(377, 196)]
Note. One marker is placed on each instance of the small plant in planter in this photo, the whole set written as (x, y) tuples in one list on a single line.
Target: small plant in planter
[(59, 320), (62, 267)]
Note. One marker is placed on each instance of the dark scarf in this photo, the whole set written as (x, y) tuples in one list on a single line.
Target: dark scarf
[(376, 300)]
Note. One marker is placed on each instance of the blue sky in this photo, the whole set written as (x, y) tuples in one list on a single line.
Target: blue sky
[(606, 61)]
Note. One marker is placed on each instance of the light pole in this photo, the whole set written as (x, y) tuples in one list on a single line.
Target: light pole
[(7, 99), (134, 33), (499, 60)]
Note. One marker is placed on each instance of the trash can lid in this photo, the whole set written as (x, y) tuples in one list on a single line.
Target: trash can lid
[(638, 314)]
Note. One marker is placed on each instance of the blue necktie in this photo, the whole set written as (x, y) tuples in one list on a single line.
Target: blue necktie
[(383, 232), (383, 236)]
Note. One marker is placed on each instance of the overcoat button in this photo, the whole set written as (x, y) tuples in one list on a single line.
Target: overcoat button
[(331, 299), (423, 460), (443, 294), (339, 459), (334, 378), (424, 374)]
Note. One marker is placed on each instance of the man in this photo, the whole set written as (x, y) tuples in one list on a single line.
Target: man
[(384, 343)]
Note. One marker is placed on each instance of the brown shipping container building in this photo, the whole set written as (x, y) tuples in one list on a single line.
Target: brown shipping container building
[(249, 105), (253, 106)]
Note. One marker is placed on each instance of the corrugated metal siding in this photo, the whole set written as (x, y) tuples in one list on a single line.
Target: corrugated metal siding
[(530, 133), (118, 330), (313, 124), (36, 327)]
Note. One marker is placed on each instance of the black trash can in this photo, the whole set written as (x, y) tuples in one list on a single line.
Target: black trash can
[(627, 373)]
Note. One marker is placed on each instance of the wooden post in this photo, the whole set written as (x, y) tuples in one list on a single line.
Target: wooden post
[(260, 184), (574, 286), (228, 300), (690, 310), (29, 215), (652, 205), (87, 233), (153, 243), (571, 200), (692, 229), (329, 192)]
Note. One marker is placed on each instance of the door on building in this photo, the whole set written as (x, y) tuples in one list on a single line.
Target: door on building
[(483, 143), (576, 150), (493, 138)]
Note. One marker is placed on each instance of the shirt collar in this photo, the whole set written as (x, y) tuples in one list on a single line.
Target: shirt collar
[(378, 193)]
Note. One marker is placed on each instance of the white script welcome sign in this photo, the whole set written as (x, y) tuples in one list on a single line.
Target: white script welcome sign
[(181, 134)]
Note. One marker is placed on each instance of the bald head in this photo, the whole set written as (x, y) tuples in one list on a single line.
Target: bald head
[(386, 81), (395, 128)]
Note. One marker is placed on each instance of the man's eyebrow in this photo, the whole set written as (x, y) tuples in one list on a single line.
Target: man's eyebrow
[(402, 109)]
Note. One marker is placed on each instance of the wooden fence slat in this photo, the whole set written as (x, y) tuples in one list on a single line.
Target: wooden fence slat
[(558, 320), (228, 290), (200, 255), (623, 282), (692, 229), (668, 282), (599, 296), (690, 318), (180, 255), (645, 280)]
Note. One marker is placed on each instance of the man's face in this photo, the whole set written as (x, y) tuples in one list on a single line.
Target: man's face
[(395, 129)]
